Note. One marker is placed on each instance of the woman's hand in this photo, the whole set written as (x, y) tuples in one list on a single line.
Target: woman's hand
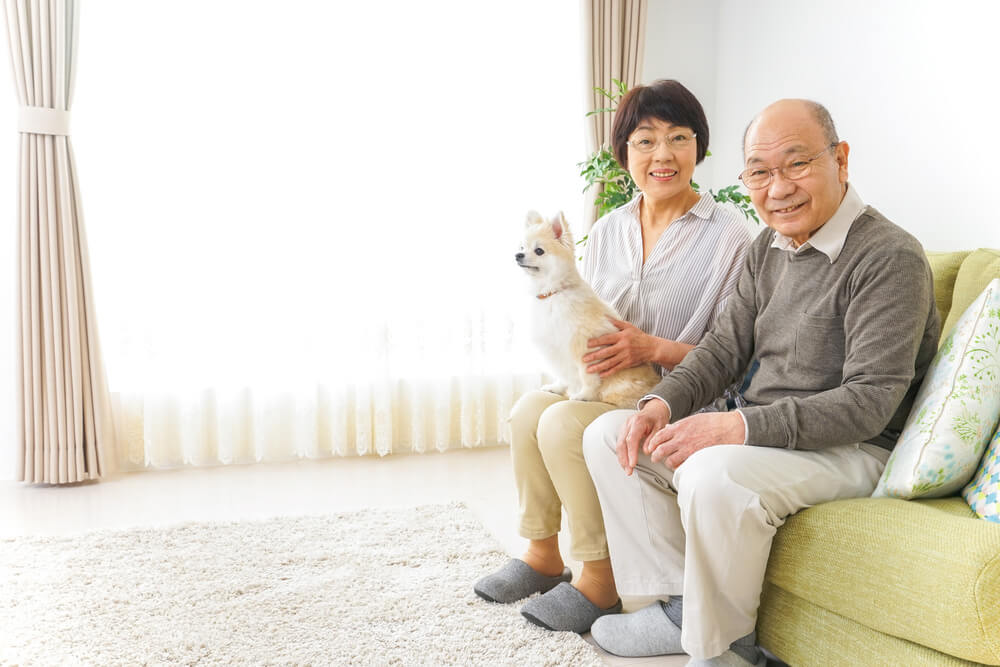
[(627, 347)]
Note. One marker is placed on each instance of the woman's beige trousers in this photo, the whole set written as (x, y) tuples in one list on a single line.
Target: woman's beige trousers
[(550, 473)]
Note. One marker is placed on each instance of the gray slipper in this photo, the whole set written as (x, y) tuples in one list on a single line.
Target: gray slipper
[(515, 581), (641, 634), (565, 609)]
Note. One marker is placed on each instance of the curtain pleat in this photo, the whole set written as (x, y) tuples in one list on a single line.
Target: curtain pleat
[(385, 415), (63, 416), (614, 41)]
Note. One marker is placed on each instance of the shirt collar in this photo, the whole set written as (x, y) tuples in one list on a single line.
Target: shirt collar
[(703, 208), (830, 238)]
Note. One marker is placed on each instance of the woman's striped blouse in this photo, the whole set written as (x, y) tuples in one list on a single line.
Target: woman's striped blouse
[(684, 283)]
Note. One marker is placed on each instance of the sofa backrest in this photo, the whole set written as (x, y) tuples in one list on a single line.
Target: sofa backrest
[(959, 277)]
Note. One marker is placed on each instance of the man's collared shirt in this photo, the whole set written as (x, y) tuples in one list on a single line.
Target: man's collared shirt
[(828, 239)]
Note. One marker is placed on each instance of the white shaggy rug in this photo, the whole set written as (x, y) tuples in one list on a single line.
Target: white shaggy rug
[(378, 587)]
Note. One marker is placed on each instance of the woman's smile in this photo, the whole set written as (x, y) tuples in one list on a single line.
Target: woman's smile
[(663, 175)]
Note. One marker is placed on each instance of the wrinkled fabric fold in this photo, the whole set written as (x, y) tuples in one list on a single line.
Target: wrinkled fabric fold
[(63, 416)]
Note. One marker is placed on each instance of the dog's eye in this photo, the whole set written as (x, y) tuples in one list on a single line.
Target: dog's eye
[(539, 251)]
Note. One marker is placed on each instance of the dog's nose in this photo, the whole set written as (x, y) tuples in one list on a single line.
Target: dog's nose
[(519, 256)]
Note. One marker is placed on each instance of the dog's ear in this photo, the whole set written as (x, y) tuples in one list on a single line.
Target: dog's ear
[(533, 218), (560, 228)]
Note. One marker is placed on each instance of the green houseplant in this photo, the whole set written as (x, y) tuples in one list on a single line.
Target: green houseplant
[(618, 188)]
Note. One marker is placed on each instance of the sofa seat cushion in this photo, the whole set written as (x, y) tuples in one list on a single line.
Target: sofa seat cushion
[(927, 571)]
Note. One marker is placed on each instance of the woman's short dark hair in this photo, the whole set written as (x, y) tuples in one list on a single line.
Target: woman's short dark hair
[(665, 99)]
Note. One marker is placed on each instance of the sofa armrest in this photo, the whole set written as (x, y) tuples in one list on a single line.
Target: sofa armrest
[(925, 571)]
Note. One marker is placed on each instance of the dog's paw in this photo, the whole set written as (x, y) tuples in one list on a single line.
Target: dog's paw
[(555, 388), (584, 395)]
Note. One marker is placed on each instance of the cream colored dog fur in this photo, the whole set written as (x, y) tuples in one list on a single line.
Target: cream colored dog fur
[(566, 313)]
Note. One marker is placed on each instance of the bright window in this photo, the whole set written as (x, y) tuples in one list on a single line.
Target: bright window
[(285, 193)]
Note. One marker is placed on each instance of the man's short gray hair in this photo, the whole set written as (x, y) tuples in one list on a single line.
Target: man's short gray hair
[(819, 112)]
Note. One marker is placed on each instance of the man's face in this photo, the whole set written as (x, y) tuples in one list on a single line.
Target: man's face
[(784, 134)]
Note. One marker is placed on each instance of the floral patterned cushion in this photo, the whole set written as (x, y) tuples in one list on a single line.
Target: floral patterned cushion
[(955, 411), (983, 490)]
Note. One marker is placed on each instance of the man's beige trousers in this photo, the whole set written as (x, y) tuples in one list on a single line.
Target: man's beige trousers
[(546, 447), (704, 531)]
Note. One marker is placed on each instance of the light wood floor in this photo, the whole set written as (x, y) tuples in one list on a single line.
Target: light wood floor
[(480, 478)]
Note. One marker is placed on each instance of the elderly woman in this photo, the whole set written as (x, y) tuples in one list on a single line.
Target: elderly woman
[(667, 261)]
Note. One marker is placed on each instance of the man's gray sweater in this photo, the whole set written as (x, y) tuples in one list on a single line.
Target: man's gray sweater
[(842, 347)]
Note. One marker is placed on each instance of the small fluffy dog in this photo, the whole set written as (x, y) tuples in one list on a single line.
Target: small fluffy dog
[(566, 313)]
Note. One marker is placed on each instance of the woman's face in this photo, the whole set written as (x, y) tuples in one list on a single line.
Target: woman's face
[(666, 172)]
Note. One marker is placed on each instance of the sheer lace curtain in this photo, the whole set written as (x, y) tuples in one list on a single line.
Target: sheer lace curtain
[(302, 218)]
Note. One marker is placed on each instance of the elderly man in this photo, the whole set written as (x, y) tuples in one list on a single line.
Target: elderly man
[(832, 327)]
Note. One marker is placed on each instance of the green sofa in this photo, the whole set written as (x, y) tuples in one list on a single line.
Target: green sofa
[(878, 581)]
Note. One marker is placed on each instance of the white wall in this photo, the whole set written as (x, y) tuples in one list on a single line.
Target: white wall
[(911, 86), (681, 44)]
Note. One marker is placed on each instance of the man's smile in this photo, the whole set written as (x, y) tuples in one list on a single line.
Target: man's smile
[(788, 209)]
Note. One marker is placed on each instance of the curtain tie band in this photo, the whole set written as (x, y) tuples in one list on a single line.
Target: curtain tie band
[(42, 120)]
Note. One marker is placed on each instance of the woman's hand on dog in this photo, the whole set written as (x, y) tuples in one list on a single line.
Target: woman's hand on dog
[(629, 346)]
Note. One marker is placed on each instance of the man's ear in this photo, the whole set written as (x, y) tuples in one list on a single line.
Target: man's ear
[(533, 218), (841, 152)]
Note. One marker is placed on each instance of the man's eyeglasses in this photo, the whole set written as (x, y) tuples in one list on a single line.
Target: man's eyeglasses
[(758, 178), (647, 143)]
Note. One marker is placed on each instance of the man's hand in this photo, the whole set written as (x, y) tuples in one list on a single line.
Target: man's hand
[(651, 419), (627, 347), (674, 443)]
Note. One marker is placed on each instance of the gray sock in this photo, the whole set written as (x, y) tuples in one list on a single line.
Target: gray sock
[(746, 648), (675, 609)]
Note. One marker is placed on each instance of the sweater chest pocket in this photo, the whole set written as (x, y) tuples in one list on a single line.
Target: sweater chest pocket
[(819, 345)]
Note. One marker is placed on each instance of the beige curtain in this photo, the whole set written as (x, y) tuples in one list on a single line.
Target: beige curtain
[(615, 36), (63, 406)]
